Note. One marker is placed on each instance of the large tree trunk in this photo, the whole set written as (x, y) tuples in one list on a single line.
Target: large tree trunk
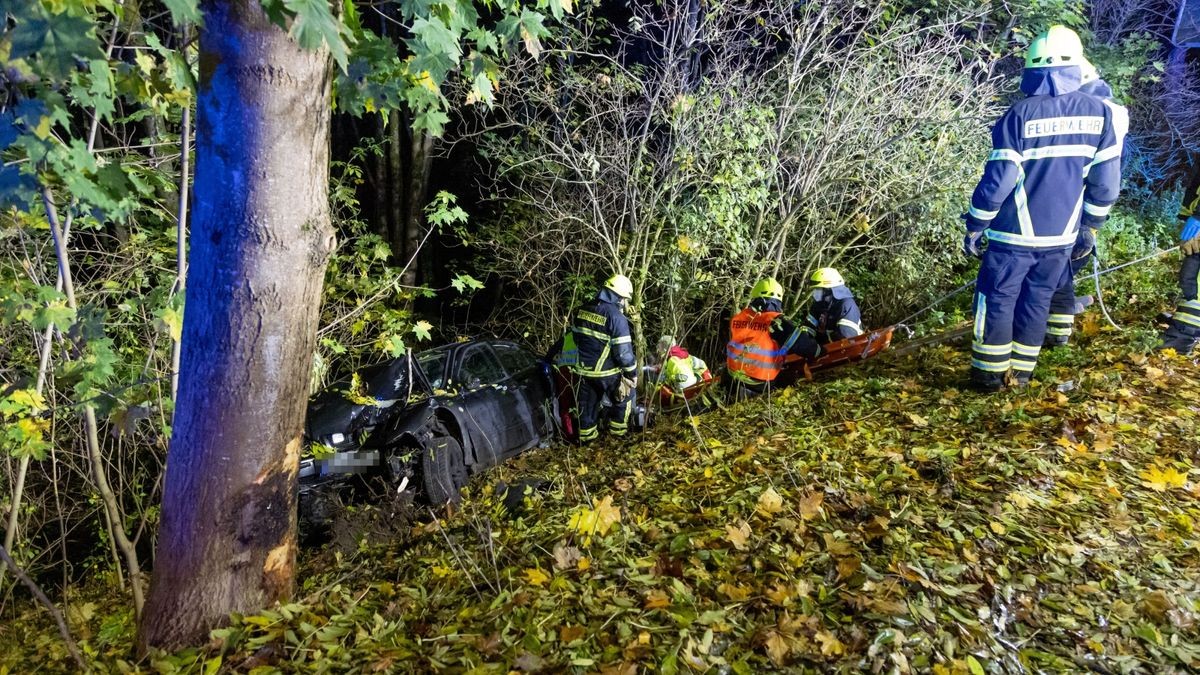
[(260, 241)]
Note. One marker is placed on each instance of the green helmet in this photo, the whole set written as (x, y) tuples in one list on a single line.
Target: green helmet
[(621, 285), (1058, 46), (827, 277), (767, 288)]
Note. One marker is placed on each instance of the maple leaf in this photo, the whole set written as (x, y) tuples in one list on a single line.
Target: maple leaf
[(830, 645), (738, 535), (565, 557), (769, 502), (656, 600), (536, 577), (777, 648), (1163, 480), (810, 505), (597, 520), (734, 592)]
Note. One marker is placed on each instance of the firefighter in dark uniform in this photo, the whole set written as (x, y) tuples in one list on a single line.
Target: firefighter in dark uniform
[(760, 337), (833, 314), (1049, 183), (1183, 330), (1064, 306), (605, 366)]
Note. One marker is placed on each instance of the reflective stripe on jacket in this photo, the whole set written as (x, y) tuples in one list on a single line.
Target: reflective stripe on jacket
[(751, 351), (602, 339), (1055, 161)]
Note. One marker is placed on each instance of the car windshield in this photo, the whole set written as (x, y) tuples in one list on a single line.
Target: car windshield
[(433, 365)]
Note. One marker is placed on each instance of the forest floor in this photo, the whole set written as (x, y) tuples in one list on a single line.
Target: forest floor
[(882, 519)]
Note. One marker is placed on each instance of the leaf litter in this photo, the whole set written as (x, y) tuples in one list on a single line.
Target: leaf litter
[(880, 520)]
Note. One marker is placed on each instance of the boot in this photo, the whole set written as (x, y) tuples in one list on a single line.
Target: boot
[(1180, 338), (1021, 378), (985, 382), (1052, 341)]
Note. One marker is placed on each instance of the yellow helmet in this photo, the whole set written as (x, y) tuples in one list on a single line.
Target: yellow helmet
[(827, 277), (1058, 46), (767, 288), (621, 285)]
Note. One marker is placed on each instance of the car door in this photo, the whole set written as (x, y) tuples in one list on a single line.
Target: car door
[(533, 386), (491, 405)]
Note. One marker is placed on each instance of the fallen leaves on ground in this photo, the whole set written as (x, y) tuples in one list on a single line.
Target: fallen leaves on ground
[(883, 519)]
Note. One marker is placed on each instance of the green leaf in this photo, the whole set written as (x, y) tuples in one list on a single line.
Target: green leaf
[(395, 346), (183, 11), (314, 25), (433, 121), (421, 330), (975, 667), (438, 39), (58, 42), (464, 281)]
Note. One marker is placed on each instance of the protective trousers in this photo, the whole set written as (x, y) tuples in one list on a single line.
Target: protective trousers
[(1012, 303), (1184, 330), (589, 398), (1062, 306)]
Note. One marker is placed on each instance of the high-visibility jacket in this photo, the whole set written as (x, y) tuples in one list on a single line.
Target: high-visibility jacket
[(565, 352), (751, 350), (1054, 163), (602, 339), (683, 370)]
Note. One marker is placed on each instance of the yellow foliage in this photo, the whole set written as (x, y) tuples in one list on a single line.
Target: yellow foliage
[(597, 520), (1163, 480), (536, 577)]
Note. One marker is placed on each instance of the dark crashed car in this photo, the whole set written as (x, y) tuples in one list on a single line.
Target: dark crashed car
[(436, 417)]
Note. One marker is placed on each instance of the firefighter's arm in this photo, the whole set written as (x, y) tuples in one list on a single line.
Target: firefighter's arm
[(1103, 183), (792, 340), (999, 174), (622, 345), (850, 322)]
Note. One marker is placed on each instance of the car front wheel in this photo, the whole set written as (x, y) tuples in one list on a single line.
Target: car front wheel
[(444, 470)]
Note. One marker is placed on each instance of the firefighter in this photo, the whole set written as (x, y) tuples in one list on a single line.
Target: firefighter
[(1064, 306), (605, 366), (760, 338), (1054, 155), (833, 314), (1183, 330)]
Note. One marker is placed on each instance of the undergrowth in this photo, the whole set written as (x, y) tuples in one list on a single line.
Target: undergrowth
[(882, 519)]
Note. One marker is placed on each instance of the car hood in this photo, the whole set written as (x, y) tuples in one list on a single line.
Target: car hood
[(329, 412)]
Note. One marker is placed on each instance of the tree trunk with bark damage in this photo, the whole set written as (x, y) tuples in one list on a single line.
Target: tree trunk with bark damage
[(261, 238)]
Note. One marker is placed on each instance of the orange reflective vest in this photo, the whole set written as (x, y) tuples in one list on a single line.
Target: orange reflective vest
[(751, 351)]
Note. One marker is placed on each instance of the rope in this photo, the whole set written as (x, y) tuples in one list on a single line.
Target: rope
[(1099, 294)]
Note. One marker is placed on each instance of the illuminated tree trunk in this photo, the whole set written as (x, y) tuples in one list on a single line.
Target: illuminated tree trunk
[(261, 237)]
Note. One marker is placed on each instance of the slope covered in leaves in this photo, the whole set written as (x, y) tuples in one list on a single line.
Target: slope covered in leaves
[(885, 519)]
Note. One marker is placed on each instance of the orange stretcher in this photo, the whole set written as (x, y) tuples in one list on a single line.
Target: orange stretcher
[(834, 354)]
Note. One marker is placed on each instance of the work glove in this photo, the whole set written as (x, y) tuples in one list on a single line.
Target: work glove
[(1191, 237), (627, 386), (971, 244), (1085, 243)]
